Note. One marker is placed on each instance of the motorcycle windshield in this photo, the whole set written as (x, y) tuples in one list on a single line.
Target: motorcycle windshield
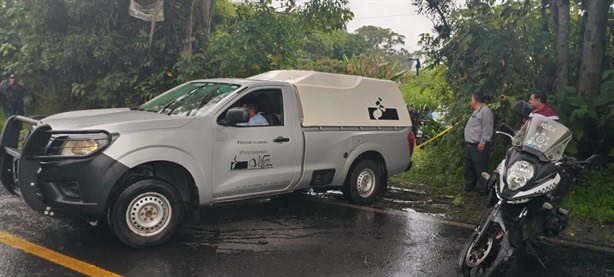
[(542, 135)]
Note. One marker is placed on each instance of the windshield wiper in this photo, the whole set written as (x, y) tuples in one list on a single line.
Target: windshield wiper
[(139, 108), (180, 99)]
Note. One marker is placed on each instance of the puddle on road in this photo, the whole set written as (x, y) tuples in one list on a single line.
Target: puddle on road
[(255, 226), (409, 200)]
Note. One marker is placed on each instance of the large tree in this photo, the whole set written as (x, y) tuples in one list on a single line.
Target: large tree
[(207, 18), (593, 48), (381, 38), (561, 13)]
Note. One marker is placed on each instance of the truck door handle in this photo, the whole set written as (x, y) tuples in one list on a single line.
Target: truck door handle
[(281, 139)]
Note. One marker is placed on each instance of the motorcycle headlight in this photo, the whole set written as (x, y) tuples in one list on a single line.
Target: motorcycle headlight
[(79, 147), (519, 174)]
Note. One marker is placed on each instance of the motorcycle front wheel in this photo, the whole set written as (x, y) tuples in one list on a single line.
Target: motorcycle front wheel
[(488, 256)]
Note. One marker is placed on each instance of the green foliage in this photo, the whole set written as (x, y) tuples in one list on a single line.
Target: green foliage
[(327, 15), (427, 168), (333, 44), (478, 61), (383, 39), (424, 91), (94, 44), (593, 197), (323, 65), (90, 54), (506, 50), (582, 116), (274, 40), (271, 39), (474, 59), (377, 67)]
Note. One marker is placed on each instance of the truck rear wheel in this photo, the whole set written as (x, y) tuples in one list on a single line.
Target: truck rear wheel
[(147, 213), (363, 183)]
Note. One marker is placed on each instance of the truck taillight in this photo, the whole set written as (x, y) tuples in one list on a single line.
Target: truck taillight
[(411, 138)]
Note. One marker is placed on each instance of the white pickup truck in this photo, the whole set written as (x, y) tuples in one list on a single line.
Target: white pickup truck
[(206, 142)]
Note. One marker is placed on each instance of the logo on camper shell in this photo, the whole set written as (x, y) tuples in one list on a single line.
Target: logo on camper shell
[(382, 113)]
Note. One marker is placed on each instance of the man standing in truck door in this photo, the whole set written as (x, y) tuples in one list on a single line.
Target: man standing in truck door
[(478, 134)]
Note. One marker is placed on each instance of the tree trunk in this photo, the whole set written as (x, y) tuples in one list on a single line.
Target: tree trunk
[(593, 49), (153, 23), (189, 29), (207, 14), (545, 4), (562, 44)]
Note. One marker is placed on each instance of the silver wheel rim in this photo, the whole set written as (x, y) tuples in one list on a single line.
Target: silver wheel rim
[(148, 214), (476, 256), (366, 182)]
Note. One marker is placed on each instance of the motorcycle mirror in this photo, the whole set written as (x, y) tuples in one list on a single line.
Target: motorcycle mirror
[(593, 160), (505, 134), (522, 109), (508, 128)]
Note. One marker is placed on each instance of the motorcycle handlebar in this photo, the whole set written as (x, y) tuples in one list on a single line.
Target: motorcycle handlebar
[(580, 164), (590, 159), (509, 128)]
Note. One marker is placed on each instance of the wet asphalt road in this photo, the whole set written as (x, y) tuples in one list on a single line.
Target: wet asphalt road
[(287, 236)]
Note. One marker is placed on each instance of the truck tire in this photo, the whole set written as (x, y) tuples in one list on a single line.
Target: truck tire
[(363, 183), (146, 213)]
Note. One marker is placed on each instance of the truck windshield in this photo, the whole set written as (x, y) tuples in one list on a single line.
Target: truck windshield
[(189, 99)]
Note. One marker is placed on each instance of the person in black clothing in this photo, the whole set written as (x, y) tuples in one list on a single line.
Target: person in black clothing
[(417, 67), (3, 84), (413, 115), (12, 94)]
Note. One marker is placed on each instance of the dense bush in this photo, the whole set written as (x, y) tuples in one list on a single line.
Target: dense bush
[(506, 51), (593, 197)]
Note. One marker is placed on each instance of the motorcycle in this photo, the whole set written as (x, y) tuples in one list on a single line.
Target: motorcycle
[(526, 189)]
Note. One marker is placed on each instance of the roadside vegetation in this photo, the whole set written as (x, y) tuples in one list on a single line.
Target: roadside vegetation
[(472, 56), (92, 54)]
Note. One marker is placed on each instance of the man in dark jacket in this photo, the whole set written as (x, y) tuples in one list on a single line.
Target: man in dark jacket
[(13, 94)]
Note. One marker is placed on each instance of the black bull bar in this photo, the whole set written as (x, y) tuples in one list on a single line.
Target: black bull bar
[(19, 168)]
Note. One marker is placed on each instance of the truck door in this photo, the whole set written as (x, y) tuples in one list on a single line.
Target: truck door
[(256, 159)]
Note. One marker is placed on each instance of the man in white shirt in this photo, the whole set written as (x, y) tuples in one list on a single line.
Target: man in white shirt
[(255, 118)]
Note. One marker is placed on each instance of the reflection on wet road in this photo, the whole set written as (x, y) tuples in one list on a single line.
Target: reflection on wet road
[(287, 236)]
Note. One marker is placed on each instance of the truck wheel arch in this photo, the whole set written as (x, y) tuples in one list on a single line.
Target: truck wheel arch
[(369, 155), (171, 172)]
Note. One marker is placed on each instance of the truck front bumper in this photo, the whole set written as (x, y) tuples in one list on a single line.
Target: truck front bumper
[(55, 185)]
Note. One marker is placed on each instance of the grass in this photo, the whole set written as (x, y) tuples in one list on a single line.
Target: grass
[(3, 118), (592, 199), (434, 172)]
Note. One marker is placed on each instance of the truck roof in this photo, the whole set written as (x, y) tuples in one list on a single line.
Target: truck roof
[(329, 99)]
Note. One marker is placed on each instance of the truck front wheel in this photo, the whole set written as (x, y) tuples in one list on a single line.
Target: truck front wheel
[(146, 213), (363, 183)]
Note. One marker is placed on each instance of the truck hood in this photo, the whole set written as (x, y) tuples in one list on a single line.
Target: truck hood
[(114, 120)]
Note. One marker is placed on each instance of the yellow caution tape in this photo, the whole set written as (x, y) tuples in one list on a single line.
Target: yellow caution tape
[(435, 137)]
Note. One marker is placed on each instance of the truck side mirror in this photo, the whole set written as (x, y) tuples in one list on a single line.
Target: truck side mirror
[(237, 115)]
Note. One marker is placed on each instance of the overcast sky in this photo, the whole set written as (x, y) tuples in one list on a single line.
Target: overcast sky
[(398, 15)]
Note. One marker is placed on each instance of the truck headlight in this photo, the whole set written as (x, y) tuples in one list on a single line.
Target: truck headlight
[(519, 174), (79, 147)]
